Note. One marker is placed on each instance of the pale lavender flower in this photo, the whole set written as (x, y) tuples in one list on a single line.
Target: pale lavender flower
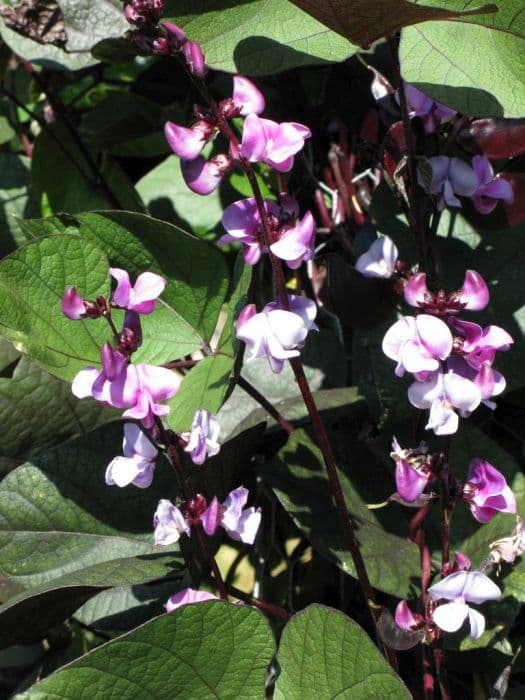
[(187, 596), (138, 463), (461, 588), (490, 188), (140, 297), (442, 393), (486, 491), (450, 177), (169, 524), (276, 334), (417, 344), (379, 260), (273, 143), (473, 296), (246, 96), (240, 523), (430, 111), (202, 439)]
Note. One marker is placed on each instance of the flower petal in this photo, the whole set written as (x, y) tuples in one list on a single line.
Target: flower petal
[(450, 616)]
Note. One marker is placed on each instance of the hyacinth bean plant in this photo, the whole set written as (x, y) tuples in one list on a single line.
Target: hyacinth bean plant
[(261, 320)]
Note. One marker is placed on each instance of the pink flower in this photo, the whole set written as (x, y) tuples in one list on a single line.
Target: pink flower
[(412, 471), (486, 492), (442, 393), (379, 260), (450, 177), (202, 440), (142, 296), (490, 189), (473, 296), (430, 111), (416, 344), (405, 619), (187, 143), (479, 345), (75, 307), (169, 524), (273, 143), (274, 333), (240, 523), (246, 97), (138, 463), (461, 588), (204, 176), (187, 596)]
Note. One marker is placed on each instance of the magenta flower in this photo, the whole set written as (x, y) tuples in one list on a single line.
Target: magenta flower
[(490, 189), (379, 260), (488, 380), (142, 12), (442, 393), (412, 471), (417, 344), (274, 333), (240, 523), (75, 307), (405, 619), (246, 97), (187, 596), (194, 58), (461, 588), (138, 463), (187, 143), (175, 35), (273, 143), (450, 177), (430, 111), (473, 296), (142, 296), (294, 244), (204, 176), (202, 440), (169, 524), (486, 491), (479, 345)]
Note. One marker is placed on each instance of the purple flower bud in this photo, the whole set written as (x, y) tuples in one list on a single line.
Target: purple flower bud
[(73, 306), (194, 59), (486, 491), (143, 12), (246, 97), (142, 296), (202, 440), (169, 524), (379, 260), (138, 463), (187, 596), (490, 189), (176, 36), (204, 176)]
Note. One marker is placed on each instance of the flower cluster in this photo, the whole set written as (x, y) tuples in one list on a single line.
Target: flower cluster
[(450, 359)]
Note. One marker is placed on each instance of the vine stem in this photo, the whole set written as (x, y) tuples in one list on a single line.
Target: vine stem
[(267, 405)]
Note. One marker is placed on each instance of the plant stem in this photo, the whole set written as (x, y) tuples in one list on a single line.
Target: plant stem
[(441, 674), (261, 604), (267, 405)]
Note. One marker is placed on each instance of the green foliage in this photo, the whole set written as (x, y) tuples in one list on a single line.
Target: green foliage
[(16, 200), (212, 649), (324, 654)]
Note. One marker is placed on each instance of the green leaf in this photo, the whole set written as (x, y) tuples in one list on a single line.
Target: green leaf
[(486, 80), (58, 517), (325, 654), (16, 200), (257, 37), (167, 197), (298, 477), (212, 649), (57, 159)]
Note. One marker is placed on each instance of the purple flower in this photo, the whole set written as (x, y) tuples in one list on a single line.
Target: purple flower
[(379, 260), (75, 307), (479, 345), (489, 381), (273, 143), (450, 177), (169, 524), (416, 344), (142, 296), (240, 523), (175, 35), (294, 244), (461, 588), (486, 492), (246, 97), (430, 111), (194, 58), (490, 189), (187, 143), (274, 333), (442, 393), (202, 440), (412, 471), (142, 12), (473, 296), (138, 463), (204, 176), (405, 619), (187, 596)]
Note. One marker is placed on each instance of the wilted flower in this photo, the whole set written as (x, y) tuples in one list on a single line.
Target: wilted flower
[(379, 260), (490, 189), (142, 296), (450, 177), (240, 523), (461, 588), (416, 344), (187, 596), (138, 463), (508, 548), (273, 143), (202, 439), (169, 523), (486, 491)]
